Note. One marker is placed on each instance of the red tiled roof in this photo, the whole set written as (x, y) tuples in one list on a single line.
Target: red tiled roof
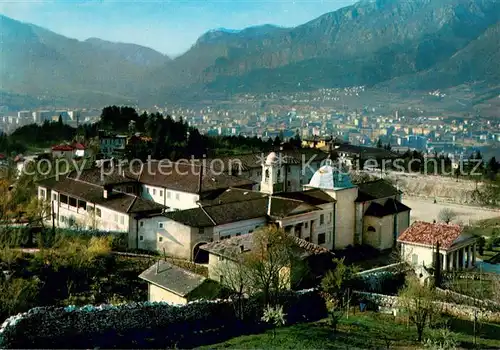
[(62, 148), (79, 146), (430, 233)]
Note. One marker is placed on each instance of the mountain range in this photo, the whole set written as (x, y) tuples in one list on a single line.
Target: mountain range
[(390, 44)]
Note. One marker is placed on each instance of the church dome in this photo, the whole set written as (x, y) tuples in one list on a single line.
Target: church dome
[(271, 158), (330, 178)]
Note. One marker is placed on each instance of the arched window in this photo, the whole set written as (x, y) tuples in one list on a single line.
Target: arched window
[(279, 173), (371, 229), (267, 173)]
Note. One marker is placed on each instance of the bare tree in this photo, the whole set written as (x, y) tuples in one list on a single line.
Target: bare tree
[(447, 215), (236, 277), (269, 266), (272, 264), (417, 300)]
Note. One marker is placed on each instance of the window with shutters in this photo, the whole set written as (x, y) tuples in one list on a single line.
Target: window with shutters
[(414, 259)]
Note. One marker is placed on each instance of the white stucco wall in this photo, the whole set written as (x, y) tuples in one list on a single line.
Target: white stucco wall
[(312, 231), (371, 238), (80, 153), (387, 232), (345, 213), (63, 154), (156, 293), (424, 255), (174, 238), (358, 233), (383, 237), (238, 228), (108, 220), (180, 240), (175, 200), (147, 232), (219, 266), (228, 273), (293, 176)]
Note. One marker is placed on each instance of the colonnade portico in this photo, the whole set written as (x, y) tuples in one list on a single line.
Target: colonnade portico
[(460, 258)]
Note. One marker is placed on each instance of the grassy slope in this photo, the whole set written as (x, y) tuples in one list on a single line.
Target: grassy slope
[(360, 331)]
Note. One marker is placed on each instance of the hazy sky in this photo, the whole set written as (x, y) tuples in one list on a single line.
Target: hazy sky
[(170, 27)]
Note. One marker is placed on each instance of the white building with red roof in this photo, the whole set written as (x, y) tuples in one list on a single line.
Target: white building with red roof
[(75, 150), (420, 241)]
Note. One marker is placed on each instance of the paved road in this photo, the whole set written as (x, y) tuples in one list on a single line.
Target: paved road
[(427, 210)]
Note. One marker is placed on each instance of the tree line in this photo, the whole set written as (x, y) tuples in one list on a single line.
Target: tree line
[(174, 138), (165, 137), (44, 135)]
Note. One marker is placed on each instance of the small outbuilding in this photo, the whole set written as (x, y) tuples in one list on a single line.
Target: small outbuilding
[(173, 284), (419, 245)]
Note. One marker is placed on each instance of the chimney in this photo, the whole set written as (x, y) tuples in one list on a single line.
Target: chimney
[(106, 193), (200, 178), (269, 205)]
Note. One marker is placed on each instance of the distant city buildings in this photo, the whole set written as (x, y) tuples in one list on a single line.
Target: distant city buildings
[(314, 114), (12, 121)]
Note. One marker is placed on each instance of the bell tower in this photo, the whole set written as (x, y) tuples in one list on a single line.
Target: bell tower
[(272, 174)]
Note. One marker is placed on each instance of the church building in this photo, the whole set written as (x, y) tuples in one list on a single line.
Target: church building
[(177, 213), (329, 211), (369, 213)]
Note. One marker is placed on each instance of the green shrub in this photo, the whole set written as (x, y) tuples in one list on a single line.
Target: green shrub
[(441, 339)]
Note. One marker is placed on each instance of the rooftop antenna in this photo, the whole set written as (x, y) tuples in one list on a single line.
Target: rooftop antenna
[(200, 179)]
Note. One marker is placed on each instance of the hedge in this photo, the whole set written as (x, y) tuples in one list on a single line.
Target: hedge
[(149, 324)]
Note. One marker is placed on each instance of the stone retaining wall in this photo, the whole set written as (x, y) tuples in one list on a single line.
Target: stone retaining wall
[(458, 310), (151, 325)]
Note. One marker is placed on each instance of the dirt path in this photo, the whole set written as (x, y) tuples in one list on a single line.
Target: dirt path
[(427, 210)]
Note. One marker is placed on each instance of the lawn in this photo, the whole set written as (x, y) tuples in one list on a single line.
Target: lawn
[(489, 223), (361, 331), (475, 288)]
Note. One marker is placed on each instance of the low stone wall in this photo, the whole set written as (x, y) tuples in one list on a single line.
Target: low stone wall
[(465, 299), (458, 310), (485, 276), (151, 325), (387, 268)]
